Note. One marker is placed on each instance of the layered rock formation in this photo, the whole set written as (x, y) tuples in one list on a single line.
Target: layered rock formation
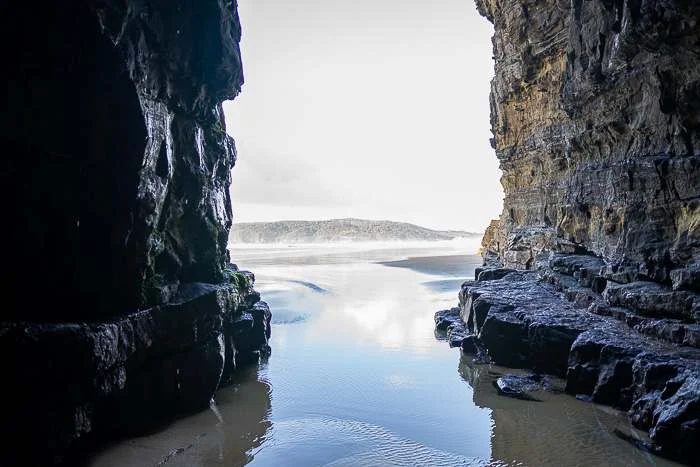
[(597, 129), (338, 230), (122, 309), (592, 271)]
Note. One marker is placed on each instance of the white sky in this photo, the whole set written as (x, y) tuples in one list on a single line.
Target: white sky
[(374, 109)]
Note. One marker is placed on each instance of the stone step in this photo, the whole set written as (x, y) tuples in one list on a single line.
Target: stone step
[(670, 330), (652, 309)]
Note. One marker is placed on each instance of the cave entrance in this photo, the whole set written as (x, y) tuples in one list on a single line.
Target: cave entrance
[(367, 109)]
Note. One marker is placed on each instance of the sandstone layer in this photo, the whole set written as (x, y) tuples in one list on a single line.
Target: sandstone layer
[(122, 310)]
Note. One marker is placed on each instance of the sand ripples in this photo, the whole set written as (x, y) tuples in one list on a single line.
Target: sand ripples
[(362, 444)]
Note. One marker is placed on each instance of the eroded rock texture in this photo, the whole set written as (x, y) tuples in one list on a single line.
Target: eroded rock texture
[(553, 322), (592, 270), (121, 309), (596, 123)]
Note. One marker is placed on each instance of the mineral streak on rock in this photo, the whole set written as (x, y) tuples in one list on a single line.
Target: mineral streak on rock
[(594, 112), (122, 310)]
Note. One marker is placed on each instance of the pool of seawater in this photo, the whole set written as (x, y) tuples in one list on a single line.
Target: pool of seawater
[(357, 377)]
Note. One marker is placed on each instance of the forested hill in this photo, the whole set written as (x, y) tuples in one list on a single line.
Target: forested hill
[(336, 230)]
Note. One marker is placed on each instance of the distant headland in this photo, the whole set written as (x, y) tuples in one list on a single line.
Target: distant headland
[(338, 230)]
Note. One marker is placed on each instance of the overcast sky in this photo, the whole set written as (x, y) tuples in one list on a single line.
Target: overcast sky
[(374, 109)]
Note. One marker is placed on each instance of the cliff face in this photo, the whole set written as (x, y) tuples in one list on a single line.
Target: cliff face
[(123, 309), (120, 156), (597, 129), (592, 271)]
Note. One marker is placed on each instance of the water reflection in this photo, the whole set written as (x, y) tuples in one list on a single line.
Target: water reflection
[(444, 285), (230, 433), (354, 294), (359, 379), (560, 430)]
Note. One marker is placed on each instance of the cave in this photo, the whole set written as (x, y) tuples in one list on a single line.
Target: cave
[(124, 310)]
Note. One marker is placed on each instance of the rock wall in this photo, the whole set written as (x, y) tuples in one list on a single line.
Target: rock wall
[(592, 272), (121, 309), (596, 125)]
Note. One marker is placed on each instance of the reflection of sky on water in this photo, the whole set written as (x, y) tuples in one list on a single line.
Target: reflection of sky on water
[(349, 293), (444, 285), (363, 356), (360, 302)]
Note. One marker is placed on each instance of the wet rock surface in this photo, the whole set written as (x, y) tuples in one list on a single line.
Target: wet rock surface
[(606, 353), (449, 327), (119, 152), (522, 386), (126, 376), (601, 190), (444, 318), (595, 124)]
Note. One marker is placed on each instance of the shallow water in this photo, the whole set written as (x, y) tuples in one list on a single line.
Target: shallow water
[(357, 377)]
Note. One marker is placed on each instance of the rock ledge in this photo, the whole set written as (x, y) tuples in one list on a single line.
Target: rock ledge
[(551, 322)]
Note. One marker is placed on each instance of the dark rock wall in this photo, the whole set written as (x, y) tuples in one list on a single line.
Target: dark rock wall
[(116, 151), (121, 309), (613, 348), (596, 123), (74, 138)]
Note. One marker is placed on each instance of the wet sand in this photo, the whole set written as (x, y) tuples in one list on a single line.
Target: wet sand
[(449, 265), (227, 434)]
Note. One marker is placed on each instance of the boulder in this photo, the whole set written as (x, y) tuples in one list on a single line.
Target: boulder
[(522, 386)]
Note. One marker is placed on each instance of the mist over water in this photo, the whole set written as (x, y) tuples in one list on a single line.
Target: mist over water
[(357, 377)]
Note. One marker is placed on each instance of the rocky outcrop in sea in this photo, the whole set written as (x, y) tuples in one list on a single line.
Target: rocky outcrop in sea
[(122, 310)]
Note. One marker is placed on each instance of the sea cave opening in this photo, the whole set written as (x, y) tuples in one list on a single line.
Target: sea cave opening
[(373, 110), (308, 342)]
